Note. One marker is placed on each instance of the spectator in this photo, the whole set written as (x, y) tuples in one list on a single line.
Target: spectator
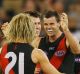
[(29, 5)]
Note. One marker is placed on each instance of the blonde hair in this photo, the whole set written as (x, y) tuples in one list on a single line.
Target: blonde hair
[(21, 27)]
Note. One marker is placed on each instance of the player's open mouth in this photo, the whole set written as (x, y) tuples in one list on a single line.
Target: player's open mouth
[(50, 30)]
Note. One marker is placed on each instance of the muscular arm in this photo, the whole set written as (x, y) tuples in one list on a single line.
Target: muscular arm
[(71, 41), (40, 57)]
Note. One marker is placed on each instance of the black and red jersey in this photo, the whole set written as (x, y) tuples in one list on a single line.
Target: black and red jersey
[(59, 55), (16, 59)]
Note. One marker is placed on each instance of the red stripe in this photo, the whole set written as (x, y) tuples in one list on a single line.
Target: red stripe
[(4, 61), (56, 61), (38, 66)]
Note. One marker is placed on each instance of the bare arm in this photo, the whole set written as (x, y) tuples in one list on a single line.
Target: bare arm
[(40, 57), (71, 41)]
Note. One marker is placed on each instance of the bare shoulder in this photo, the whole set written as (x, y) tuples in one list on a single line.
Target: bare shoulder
[(38, 55), (37, 52)]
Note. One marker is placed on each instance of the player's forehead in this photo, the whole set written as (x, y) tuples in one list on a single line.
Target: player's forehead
[(35, 19), (50, 19)]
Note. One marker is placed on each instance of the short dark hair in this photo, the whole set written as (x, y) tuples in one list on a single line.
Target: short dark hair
[(33, 14), (49, 14)]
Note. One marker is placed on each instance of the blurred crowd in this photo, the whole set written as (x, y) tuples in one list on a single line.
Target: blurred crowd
[(9, 8)]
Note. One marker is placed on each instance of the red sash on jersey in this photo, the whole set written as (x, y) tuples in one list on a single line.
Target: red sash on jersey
[(56, 60), (4, 61)]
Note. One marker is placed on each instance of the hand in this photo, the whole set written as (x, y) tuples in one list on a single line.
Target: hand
[(4, 28), (64, 21)]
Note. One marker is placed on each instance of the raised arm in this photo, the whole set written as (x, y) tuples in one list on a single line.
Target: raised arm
[(70, 39)]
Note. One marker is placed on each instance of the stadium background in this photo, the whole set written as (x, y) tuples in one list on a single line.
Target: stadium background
[(8, 8)]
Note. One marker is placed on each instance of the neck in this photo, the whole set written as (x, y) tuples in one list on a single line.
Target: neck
[(55, 37), (36, 41)]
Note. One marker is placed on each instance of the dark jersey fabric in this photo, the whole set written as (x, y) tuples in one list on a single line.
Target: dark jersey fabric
[(56, 51), (18, 48), (77, 64)]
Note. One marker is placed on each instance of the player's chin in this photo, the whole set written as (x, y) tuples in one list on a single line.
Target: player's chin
[(50, 34)]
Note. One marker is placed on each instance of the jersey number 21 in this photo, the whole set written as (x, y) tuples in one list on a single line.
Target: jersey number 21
[(13, 62)]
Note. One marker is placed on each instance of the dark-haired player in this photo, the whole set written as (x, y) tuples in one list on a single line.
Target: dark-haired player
[(59, 45)]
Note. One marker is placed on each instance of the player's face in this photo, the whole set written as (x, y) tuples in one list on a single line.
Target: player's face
[(51, 26), (37, 23)]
